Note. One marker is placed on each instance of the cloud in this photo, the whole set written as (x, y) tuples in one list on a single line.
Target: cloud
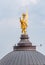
[(34, 1), (43, 23), (10, 8), (28, 2), (15, 3), (9, 22)]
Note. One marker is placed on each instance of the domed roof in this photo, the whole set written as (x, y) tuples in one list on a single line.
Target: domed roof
[(23, 58), (23, 54)]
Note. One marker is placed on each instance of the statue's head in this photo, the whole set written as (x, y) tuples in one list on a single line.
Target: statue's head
[(23, 15)]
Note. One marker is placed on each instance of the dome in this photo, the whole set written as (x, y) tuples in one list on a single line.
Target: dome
[(23, 58), (23, 54)]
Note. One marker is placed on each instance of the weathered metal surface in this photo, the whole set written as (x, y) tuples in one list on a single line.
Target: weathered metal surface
[(23, 58), (23, 54), (24, 44), (24, 41)]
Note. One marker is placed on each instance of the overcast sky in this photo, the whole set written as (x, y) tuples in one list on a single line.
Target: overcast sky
[(10, 32)]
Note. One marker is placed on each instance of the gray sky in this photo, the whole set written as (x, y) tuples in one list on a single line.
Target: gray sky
[(10, 12)]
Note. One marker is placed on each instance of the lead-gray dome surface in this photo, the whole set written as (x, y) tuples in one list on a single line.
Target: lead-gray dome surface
[(23, 54), (23, 58)]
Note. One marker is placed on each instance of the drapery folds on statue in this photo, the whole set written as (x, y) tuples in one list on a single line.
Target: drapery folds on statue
[(24, 22)]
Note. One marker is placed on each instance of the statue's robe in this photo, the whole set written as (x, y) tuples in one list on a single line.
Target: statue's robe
[(23, 24)]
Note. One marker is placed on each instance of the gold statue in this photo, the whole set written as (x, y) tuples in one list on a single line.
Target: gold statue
[(24, 22)]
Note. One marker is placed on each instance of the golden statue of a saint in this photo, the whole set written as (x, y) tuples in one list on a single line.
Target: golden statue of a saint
[(24, 22)]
